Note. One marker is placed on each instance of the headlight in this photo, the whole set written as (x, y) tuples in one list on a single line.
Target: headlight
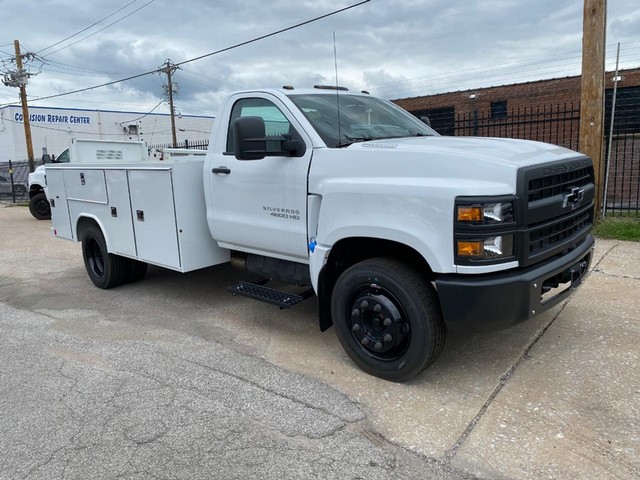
[(495, 247), (485, 213), (485, 230)]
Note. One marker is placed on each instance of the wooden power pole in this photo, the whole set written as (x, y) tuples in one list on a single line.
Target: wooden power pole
[(169, 69), (592, 91), (25, 109)]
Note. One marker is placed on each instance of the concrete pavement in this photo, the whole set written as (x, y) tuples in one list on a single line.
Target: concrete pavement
[(557, 397)]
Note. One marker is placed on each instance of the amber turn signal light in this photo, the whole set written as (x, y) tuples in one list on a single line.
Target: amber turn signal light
[(470, 248), (470, 214)]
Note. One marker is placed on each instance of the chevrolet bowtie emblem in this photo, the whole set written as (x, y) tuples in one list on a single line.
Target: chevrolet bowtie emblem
[(573, 198)]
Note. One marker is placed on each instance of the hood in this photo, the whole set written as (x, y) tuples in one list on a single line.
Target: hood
[(503, 151)]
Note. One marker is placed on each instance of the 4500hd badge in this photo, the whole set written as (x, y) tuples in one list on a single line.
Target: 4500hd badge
[(290, 213)]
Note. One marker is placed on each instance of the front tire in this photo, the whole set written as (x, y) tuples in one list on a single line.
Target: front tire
[(105, 270), (387, 318), (39, 206)]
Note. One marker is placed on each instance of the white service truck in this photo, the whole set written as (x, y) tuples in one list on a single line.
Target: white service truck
[(95, 151), (399, 232), (80, 151)]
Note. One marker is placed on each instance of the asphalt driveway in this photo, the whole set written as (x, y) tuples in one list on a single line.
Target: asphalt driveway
[(173, 377)]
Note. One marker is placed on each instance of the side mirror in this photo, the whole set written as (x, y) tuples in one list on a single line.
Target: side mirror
[(46, 158), (251, 143), (249, 138), (426, 121)]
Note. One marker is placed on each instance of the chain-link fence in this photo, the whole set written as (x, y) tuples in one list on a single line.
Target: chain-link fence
[(14, 182)]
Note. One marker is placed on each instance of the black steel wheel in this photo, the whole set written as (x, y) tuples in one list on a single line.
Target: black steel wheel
[(105, 270), (39, 206), (388, 318)]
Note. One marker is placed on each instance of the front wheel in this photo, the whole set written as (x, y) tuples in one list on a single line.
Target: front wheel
[(39, 206), (105, 270), (387, 318)]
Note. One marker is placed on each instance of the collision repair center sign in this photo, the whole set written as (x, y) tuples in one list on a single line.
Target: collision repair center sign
[(42, 118)]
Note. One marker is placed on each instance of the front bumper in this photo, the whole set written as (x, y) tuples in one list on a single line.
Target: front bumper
[(501, 300)]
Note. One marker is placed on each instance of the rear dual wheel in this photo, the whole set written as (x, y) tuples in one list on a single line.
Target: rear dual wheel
[(388, 318), (107, 270)]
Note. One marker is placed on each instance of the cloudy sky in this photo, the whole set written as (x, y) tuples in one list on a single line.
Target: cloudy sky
[(393, 48)]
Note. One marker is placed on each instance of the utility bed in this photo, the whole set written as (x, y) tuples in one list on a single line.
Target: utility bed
[(152, 212)]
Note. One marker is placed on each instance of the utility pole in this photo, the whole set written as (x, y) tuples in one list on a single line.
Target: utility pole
[(20, 79), (592, 91), (169, 69)]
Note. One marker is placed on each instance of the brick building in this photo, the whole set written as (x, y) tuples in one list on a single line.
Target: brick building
[(497, 103)]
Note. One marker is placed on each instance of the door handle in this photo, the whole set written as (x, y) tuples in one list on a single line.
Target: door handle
[(221, 170)]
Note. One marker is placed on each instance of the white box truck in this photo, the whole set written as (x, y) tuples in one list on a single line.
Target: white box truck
[(400, 233)]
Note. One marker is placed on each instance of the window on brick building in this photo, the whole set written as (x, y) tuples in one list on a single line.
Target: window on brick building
[(499, 109), (442, 119), (627, 112)]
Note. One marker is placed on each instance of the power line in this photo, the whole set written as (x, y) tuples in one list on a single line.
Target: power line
[(146, 114), (484, 77), (214, 82), (87, 28), (104, 28), (575, 55), (159, 69), (55, 63), (277, 32), (133, 77)]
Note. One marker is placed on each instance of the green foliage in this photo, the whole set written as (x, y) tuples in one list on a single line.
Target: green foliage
[(619, 228)]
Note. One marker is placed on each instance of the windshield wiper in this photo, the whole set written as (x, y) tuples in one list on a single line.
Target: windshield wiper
[(352, 140)]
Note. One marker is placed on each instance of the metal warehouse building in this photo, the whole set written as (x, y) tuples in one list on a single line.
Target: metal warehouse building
[(52, 128)]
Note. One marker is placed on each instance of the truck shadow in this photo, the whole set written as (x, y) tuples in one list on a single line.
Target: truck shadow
[(464, 353)]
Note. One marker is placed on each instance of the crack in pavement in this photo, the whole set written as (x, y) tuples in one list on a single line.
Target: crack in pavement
[(268, 390), (504, 378)]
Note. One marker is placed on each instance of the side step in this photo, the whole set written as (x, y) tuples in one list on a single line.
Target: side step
[(269, 295)]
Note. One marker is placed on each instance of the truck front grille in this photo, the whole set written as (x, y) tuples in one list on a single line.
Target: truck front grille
[(549, 186), (555, 232), (556, 208)]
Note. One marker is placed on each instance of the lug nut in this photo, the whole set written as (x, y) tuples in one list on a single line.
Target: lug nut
[(364, 304), (388, 338), (387, 322), (355, 328), (355, 312), (365, 341), (377, 308), (378, 346)]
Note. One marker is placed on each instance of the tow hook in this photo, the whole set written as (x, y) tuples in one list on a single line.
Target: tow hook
[(576, 272)]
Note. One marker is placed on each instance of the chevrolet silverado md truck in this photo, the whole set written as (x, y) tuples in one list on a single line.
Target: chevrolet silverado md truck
[(399, 232)]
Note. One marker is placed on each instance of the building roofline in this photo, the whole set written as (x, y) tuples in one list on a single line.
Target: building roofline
[(105, 111), (531, 82)]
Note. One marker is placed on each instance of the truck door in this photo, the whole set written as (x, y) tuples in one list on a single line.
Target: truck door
[(261, 205)]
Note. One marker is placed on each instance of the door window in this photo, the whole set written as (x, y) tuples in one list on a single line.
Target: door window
[(275, 122)]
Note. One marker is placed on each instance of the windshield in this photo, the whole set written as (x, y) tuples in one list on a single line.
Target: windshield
[(362, 118)]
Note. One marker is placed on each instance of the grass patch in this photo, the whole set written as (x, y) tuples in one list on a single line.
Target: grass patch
[(619, 228)]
